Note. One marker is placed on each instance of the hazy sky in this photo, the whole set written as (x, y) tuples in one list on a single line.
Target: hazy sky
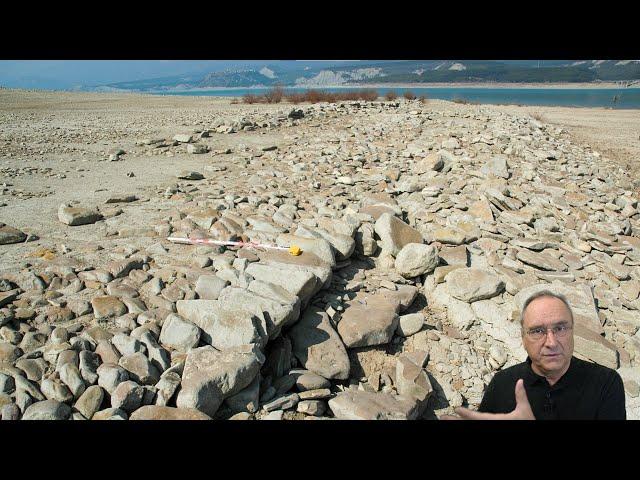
[(63, 74)]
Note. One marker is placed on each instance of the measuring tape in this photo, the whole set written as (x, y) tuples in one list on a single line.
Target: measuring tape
[(293, 249)]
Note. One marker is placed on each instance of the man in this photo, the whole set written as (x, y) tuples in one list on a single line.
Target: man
[(551, 384)]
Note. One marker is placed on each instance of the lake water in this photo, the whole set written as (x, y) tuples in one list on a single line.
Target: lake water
[(564, 97)]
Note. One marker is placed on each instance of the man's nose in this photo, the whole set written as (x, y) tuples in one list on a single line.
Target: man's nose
[(550, 339)]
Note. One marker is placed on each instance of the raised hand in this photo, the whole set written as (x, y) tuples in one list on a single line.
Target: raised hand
[(521, 412)]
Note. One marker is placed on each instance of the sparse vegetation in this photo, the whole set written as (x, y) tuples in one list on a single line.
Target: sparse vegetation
[(409, 95), (278, 94), (250, 98), (390, 96), (275, 95), (538, 116), (423, 99)]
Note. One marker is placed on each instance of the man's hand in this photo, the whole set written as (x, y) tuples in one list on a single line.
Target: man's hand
[(521, 412)]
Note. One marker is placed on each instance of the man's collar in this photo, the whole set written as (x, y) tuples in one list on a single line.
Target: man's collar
[(532, 378)]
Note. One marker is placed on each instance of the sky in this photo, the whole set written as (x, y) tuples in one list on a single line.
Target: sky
[(69, 74)]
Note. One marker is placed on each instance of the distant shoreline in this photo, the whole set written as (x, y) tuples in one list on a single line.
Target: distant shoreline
[(550, 86)]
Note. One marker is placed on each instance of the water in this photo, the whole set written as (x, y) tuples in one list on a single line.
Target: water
[(561, 97)]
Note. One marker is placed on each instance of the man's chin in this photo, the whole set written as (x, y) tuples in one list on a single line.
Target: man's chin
[(552, 362)]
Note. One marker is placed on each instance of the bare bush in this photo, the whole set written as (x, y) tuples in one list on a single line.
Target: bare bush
[(390, 96)]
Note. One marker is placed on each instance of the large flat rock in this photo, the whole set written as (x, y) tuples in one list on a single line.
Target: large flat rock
[(318, 347), (210, 375), (472, 284), (371, 323), (225, 324), (395, 234), (361, 405)]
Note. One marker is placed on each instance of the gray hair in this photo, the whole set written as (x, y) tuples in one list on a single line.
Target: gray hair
[(544, 293)]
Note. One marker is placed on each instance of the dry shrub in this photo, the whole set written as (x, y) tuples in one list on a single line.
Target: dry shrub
[(409, 95), (295, 97), (250, 98), (369, 95), (538, 116), (275, 95), (423, 99), (390, 96)]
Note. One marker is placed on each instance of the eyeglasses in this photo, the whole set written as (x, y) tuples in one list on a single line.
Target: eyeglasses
[(539, 333)]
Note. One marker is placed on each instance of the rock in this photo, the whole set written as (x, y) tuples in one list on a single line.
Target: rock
[(74, 216), (362, 405), (10, 412), (316, 394), (9, 353), (28, 387), (242, 416), (140, 369), (416, 259), (7, 384), (110, 414), (373, 323), (318, 347), (190, 175), (107, 307), (450, 236), (542, 261), (276, 316), (229, 322), (156, 412), (481, 210), (210, 376), (127, 396), (167, 387), (182, 138), (410, 324), (345, 180), (208, 287), (47, 410), (247, 400), (10, 235), (110, 376), (497, 167), (196, 149), (411, 379), (89, 363), (631, 380), (70, 376), (320, 247), (404, 295), (302, 284), (127, 345), (179, 334), (306, 380), (90, 401), (276, 415), (283, 403), (591, 346), (395, 234), (472, 284), (312, 407), (107, 352), (8, 297)]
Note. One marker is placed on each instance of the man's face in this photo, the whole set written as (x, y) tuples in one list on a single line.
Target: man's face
[(551, 354)]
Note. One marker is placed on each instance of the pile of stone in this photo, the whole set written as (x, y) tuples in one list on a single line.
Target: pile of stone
[(422, 234)]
